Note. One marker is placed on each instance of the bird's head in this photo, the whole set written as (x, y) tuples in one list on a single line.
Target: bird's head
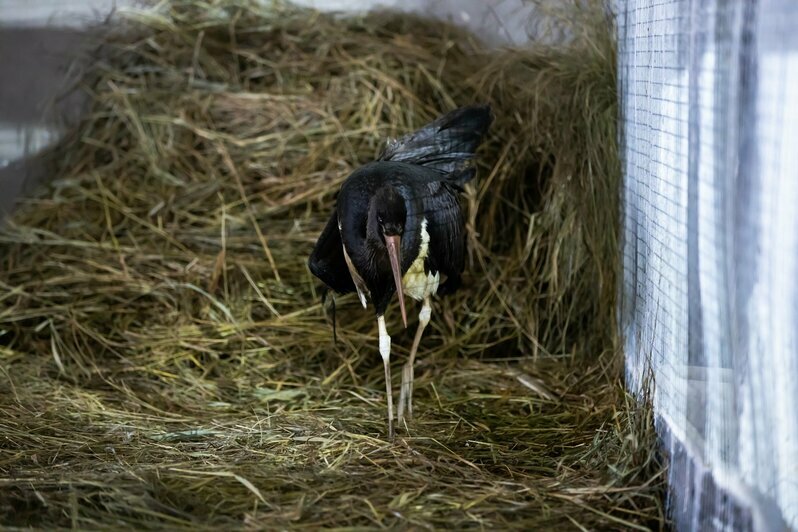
[(389, 210), (386, 224)]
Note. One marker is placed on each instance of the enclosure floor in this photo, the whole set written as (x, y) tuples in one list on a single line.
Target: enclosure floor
[(492, 445)]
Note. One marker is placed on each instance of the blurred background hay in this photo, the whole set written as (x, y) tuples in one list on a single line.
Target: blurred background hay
[(166, 359)]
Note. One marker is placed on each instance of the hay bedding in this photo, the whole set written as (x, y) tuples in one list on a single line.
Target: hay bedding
[(166, 360)]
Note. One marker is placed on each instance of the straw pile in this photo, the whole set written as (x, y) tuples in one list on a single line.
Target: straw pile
[(165, 357)]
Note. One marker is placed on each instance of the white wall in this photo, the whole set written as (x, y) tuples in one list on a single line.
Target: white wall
[(56, 12)]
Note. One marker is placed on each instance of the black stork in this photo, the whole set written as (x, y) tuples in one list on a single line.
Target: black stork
[(398, 228)]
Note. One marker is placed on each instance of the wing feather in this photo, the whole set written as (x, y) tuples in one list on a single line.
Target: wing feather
[(327, 261), (446, 227), (445, 145)]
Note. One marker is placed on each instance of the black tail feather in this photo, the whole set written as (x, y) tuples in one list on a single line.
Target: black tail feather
[(445, 145), (335, 329), (327, 260), (326, 291)]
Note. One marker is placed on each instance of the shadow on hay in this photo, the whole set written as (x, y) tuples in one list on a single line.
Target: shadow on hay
[(166, 359)]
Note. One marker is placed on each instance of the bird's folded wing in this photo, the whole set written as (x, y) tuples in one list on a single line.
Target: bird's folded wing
[(446, 226), (445, 145)]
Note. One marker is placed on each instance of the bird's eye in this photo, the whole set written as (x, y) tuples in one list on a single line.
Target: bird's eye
[(379, 219)]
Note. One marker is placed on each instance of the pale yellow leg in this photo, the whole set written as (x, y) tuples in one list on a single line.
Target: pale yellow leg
[(406, 394), (385, 352)]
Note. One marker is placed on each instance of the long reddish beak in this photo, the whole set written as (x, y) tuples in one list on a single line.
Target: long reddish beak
[(394, 244)]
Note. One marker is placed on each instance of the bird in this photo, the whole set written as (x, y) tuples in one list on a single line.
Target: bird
[(398, 228)]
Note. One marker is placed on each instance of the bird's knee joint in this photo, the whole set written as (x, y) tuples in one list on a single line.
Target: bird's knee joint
[(425, 314), (385, 347), (385, 339)]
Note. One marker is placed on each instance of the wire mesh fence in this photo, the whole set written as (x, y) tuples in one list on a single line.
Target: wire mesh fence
[(710, 106)]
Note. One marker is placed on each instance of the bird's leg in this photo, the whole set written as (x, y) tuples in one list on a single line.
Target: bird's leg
[(406, 395), (403, 392), (385, 352)]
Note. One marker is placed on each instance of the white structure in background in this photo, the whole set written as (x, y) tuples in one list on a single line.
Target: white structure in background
[(709, 306)]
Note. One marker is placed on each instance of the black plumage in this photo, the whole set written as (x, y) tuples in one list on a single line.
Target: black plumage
[(398, 225)]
